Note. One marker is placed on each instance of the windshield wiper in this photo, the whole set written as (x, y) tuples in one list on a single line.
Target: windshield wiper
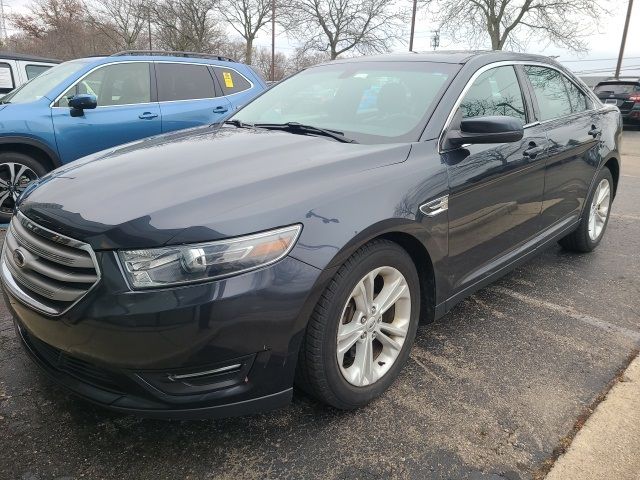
[(302, 128), (239, 124)]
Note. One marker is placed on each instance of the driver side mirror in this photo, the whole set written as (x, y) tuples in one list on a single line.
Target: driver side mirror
[(80, 103), (488, 129)]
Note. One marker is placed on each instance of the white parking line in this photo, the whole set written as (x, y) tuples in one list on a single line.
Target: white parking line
[(626, 217), (572, 313)]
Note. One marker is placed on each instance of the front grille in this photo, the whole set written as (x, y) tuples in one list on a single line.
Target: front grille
[(80, 369), (45, 270)]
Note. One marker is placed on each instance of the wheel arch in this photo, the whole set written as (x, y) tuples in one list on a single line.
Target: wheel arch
[(613, 164), (31, 147)]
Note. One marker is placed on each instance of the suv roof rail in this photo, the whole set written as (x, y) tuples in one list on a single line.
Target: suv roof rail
[(171, 53)]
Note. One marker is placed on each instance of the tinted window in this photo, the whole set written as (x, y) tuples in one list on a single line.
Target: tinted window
[(372, 102), (183, 82), (552, 92), (617, 88), (35, 70), (231, 81), (118, 84), (6, 78), (494, 92), (577, 99)]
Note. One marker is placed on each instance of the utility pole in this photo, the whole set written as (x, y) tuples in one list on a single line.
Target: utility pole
[(624, 38), (149, 25), (435, 39), (273, 40), (413, 24), (3, 26)]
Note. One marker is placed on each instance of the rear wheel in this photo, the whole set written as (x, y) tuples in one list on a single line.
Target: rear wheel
[(361, 332), (595, 216), (17, 170)]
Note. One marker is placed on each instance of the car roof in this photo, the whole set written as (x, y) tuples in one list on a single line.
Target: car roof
[(26, 58), (168, 56), (450, 56), (619, 80)]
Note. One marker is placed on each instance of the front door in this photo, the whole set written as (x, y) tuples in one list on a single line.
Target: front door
[(125, 111), (496, 190)]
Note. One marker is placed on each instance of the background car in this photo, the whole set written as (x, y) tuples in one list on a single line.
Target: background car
[(17, 69), (625, 94), (83, 106)]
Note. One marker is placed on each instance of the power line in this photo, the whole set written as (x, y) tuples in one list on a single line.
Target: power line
[(598, 59)]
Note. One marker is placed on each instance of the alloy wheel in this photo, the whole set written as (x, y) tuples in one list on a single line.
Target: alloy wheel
[(14, 178), (373, 327), (599, 209)]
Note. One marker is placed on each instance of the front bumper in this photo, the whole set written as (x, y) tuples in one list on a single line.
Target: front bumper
[(222, 348)]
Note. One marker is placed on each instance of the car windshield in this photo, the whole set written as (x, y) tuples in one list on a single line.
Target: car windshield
[(39, 86), (617, 88), (371, 102)]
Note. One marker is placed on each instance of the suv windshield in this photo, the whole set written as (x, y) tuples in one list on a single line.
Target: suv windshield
[(371, 102), (617, 88), (39, 86)]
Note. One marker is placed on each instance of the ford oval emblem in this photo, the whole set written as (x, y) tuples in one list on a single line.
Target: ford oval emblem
[(18, 257)]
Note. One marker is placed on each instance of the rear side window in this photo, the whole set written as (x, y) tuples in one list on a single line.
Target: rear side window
[(6, 78), (494, 92), (183, 82), (577, 99), (231, 81), (551, 91), (35, 70)]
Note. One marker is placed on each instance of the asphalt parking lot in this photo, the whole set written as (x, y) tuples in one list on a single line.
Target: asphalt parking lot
[(493, 390)]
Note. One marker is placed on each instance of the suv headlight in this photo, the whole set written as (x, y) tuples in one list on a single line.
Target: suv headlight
[(179, 264)]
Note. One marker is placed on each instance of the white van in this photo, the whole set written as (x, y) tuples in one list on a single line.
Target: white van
[(16, 69)]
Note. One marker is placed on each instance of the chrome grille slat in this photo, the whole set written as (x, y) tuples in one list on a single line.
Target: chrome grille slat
[(47, 249), (45, 270)]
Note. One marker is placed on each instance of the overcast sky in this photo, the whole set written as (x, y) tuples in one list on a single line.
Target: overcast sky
[(603, 45)]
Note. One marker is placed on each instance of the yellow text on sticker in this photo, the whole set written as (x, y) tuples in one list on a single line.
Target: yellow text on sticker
[(228, 79)]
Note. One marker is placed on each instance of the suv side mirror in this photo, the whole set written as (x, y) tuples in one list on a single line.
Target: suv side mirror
[(489, 129), (81, 102)]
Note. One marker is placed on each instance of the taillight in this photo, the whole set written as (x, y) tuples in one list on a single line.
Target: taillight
[(634, 98)]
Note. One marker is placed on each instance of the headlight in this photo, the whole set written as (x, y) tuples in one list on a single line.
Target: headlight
[(160, 267)]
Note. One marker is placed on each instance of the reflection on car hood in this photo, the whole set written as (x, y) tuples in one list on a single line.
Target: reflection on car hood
[(198, 185)]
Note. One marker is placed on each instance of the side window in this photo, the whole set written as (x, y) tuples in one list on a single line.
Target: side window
[(494, 92), (35, 70), (552, 93), (6, 79), (117, 84), (577, 99), (182, 81), (231, 81)]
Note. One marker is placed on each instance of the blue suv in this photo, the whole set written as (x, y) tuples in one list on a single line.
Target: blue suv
[(90, 104)]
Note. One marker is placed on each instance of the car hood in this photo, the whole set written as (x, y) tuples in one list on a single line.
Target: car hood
[(199, 185)]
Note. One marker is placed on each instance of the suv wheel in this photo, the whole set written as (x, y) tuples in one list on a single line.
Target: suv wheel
[(361, 332), (17, 170)]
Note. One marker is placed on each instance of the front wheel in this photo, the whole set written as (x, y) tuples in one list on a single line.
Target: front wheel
[(17, 170), (361, 332), (595, 216)]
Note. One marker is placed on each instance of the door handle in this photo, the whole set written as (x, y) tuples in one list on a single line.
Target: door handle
[(533, 150), (595, 131), (147, 116), (221, 109)]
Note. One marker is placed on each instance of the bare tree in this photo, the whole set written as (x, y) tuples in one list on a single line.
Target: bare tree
[(341, 26), (247, 17), (122, 21), (57, 28), (186, 25), (512, 23)]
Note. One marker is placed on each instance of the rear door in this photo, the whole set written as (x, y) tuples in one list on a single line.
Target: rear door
[(496, 190), (188, 96), (8, 77), (572, 125), (126, 110)]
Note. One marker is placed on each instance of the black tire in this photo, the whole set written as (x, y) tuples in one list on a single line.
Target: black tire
[(580, 240), (35, 170), (318, 371)]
